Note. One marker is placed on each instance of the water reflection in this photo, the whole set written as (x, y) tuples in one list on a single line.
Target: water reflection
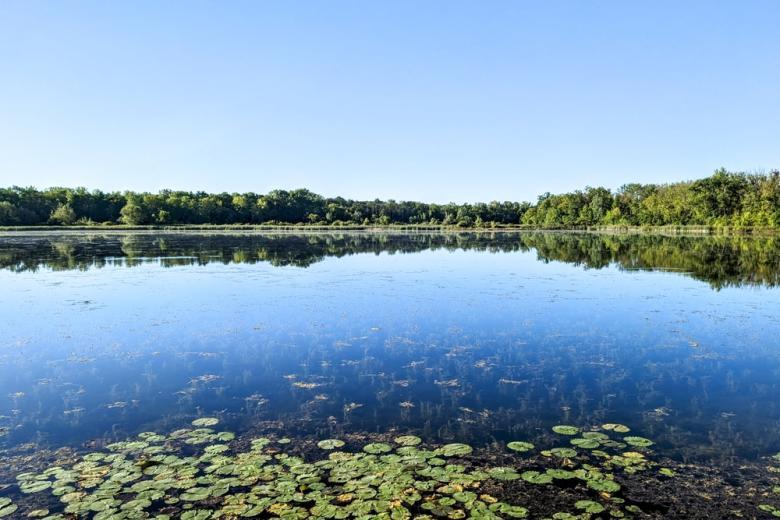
[(721, 261), (450, 343)]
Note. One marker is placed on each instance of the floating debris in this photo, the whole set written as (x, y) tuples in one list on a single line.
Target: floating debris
[(306, 386), (351, 407), (504, 381), (205, 379)]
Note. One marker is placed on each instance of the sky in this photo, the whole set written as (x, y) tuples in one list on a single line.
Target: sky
[(434, 100)]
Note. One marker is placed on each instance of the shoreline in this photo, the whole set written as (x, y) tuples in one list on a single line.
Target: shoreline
[(703, 231)]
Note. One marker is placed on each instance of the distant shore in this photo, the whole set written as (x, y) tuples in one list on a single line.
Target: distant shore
[(305, 228)]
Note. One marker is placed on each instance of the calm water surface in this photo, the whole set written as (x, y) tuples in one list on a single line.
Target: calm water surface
[(468, 337)]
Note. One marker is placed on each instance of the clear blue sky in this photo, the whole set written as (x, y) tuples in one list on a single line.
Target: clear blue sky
[(426, 100)]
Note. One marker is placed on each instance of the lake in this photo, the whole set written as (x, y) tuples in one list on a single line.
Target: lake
[(479, 338)]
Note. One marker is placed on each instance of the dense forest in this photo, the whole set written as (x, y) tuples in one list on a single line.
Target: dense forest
[(724, 199)]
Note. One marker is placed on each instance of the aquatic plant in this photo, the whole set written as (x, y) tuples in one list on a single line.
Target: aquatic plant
[(563, 453), (772, 510), (588, 444), (617, 428), (535, 477), (408, 440), (198, 474), (589, 506), (565, 429), (638, 441), (503, 473), (453, 450), (330, 444), (7, 508), (520, 446)]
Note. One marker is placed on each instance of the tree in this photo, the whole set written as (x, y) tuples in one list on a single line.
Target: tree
[(133, 213), (7, 214), (63, 215)]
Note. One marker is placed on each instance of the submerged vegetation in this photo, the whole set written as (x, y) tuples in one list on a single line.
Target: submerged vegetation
[(725, 199), (199, 473)]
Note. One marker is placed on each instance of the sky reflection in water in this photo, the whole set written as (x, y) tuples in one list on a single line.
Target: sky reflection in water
[(447, 342)]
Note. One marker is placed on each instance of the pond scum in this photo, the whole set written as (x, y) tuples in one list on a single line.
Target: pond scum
[(199, 473)]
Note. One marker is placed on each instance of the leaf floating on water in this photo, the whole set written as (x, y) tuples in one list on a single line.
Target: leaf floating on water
[(205, 422), (520, 446), (503, 473), (377, 447), (617, 428), (141, 477), (535, 477), (564, 429), (454, 450), (589, 506), (408, 440), (563, 453), (330, 444), (587, 444), (638, 441)]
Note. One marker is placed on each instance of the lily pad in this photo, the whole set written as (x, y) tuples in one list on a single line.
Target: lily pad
[(375, 448), (330, 444), (587, 444), (615, 427), (589, 506), (564, 429), (454, 450), (408, 440), (205, 422), (638, 441), (503, 473), (535, 477), (520, 446), (563, 453)]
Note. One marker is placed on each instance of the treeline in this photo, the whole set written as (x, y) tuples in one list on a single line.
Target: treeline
[(724, 199)]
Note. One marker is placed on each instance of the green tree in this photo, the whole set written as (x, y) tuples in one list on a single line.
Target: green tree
[(63, 215), (133, 213)]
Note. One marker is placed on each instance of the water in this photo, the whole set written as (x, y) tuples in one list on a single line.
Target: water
[(473, 337)]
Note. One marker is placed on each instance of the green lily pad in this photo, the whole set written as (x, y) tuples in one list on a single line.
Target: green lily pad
[(638, 441), (8, 510), (587, 444), (564, 429), (205, 422), (376, 448), (503, 473), (535, 477), (605, 485), (408, 440), (560, 474), (35, 486), (520, 446), (330, 444), (563, 453), (589, 506), (614, 427), (454, 450)]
